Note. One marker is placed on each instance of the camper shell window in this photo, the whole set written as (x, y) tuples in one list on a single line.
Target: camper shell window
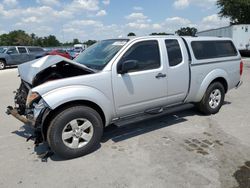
[(213, 49)]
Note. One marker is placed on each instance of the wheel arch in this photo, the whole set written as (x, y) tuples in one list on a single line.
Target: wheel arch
[(3, 59), (217, 75), (52, 113), (222, 81)]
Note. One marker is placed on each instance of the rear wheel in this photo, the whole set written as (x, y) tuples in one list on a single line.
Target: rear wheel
[(212, 99), (2, 64), (74, 132)]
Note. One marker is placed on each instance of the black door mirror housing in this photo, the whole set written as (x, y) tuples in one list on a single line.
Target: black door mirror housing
[(127, 66)]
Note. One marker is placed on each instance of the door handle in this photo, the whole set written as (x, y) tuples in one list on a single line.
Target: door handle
[(160, 75)]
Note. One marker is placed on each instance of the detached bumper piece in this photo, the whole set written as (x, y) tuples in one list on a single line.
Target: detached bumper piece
[(12, 111), (37, 137)]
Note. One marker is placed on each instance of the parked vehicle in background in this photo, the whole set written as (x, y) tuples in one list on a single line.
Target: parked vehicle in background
[(79, 47), (71, 53), (60, 52), (15, 55), (240, 34), (37, 51), (70, 102)]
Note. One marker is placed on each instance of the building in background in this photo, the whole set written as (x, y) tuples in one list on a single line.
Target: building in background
[(239, 33)]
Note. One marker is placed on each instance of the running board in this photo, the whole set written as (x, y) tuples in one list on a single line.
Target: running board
[(149, 114), (154, 111)]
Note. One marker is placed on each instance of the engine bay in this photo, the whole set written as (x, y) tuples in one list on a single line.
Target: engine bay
[(59, 71)]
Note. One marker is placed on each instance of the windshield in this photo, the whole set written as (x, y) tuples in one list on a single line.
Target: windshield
[(2, 50), (100, 53)]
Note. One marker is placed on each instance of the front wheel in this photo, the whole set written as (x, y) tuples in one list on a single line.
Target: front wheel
[(2, 65), (212, 99), (75, 132)]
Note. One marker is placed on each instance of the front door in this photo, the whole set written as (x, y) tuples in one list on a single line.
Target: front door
[(13, 56), (23, 57), (145, 86)]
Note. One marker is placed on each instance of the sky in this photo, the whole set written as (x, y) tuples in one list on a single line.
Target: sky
[(102, 19)]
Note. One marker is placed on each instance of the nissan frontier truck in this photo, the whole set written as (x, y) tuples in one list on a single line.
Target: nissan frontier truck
[(70, 102)]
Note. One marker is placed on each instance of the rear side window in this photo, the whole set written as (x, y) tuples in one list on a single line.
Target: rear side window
[(35, 49), (146, 54), (12, 50), (22, 50), (174, 52), (213, 49)]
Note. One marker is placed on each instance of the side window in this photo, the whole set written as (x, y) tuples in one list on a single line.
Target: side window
[(146, 53), (174, 52), (22, 50), (12, 51), (213, 49), (34, 49)]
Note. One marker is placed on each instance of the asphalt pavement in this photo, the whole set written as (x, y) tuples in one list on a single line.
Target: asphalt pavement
[(183, 149)]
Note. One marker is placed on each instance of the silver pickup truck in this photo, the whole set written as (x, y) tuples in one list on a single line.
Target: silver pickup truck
[(70, 102), (16, 55)]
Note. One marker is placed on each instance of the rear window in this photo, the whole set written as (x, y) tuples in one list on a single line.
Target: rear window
[(174, 52), (213, 49), (35, 49), (22, 50)]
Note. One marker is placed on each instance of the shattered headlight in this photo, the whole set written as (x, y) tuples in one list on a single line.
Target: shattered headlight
[(32, 97)]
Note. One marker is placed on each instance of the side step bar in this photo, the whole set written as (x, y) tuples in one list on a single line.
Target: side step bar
[(12, 111), (158, 112)]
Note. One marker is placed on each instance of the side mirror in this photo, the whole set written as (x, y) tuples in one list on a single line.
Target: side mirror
[(127, 66)]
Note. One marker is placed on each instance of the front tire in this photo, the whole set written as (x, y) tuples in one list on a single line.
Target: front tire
[(75, 132), (2, 64), (213, 99)]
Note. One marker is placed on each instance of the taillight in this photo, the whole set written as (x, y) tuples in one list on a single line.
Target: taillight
[(241, 67)]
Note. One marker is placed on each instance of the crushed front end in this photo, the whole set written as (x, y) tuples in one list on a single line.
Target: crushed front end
[(30, 109)]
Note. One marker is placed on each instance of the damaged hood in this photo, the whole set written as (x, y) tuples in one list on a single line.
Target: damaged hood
[(29, 70)]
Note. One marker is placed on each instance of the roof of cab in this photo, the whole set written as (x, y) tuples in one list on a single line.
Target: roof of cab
[(187, 38)]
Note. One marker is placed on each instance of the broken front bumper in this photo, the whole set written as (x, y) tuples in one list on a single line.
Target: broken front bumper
[(35, 118), (12, 111), (33, 115)]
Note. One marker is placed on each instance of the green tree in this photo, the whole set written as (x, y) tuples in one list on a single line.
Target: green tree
[(187, 31), (162, 33), (89, 42), (76, 41), (50, 41), (39, 41), (19, 37), (34, 38), (4, 40), (237, 10), (131, 34)]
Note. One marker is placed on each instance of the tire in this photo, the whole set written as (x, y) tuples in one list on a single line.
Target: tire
[(71, 125), (213, 99), (2, 64)]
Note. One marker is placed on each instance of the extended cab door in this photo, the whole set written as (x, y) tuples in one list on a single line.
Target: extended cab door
[(144, 86), (23, 55), (178, 75)]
